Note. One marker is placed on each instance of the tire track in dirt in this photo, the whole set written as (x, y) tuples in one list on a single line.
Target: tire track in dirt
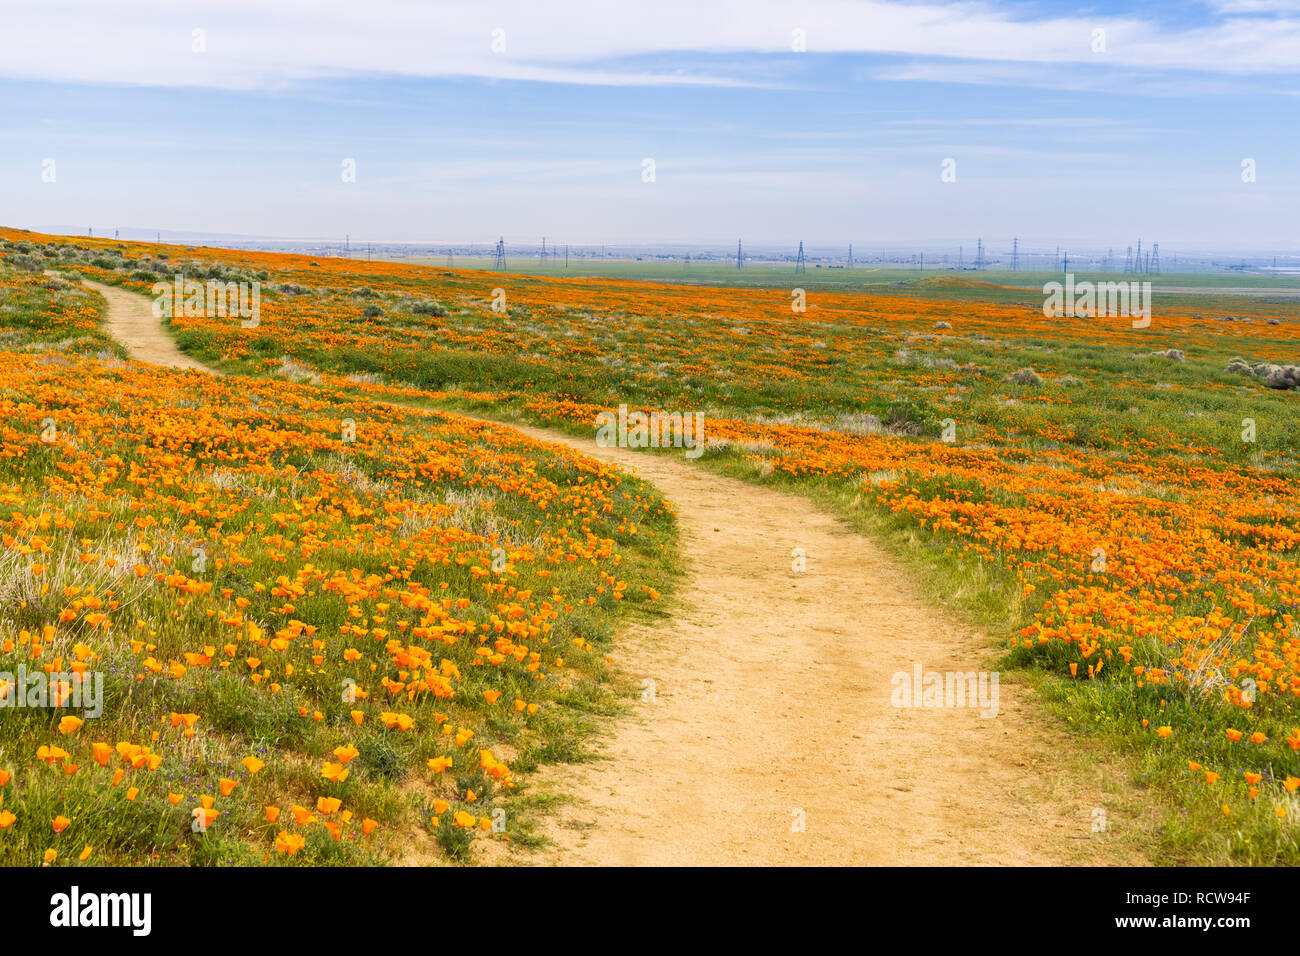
[(772, 701)]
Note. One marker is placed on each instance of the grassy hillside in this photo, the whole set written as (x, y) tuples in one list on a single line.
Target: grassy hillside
[(1117, 504), (314, 628)]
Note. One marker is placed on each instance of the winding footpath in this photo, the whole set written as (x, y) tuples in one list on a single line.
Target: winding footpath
[(770, 737)]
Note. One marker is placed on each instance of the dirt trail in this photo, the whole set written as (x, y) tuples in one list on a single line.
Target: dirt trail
[(131, 321), (772, 702)]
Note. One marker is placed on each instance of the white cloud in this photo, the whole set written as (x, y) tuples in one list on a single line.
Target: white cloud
[(260, 43), (1256, 6)]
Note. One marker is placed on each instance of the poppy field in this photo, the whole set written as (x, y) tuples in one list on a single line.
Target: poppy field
[(1117, 506), (278, 624)]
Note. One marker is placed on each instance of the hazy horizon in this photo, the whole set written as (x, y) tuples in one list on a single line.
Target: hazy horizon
[(815, 249)]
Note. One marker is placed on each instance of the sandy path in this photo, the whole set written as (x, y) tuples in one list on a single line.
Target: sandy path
[(772, 703), (131, 321)]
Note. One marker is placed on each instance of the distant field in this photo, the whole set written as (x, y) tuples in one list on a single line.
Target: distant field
[(968, 284)]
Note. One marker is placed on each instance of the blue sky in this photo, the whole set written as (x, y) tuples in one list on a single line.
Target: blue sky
[(1053, 138)]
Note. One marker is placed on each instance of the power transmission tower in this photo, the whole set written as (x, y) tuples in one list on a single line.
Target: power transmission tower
[(1065, 263), (117, 234), (1137, 260), (922, 262), (1155, 259), (850, 255), (159, 235), (347, 245), (566, 255), (979, 254), (499, 264), (961, 258), (740, 256), (1128, 259), (1015, 254), (800, 264), (543, 251)]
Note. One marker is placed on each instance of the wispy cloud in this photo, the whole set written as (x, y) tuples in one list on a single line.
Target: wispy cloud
[(258, 43), (1101, 79)]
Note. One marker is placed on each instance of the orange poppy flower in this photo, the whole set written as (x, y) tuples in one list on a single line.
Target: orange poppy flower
[(290, 843)]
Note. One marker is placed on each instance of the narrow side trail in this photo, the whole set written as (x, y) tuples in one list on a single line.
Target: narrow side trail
[(771, 737)]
